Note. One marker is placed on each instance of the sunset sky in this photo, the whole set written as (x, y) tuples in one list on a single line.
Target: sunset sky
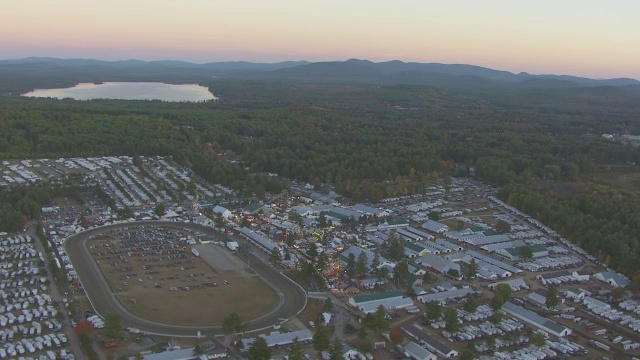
[(591, 38)]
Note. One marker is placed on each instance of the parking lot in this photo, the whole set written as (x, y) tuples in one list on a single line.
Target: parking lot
[(29, 319)]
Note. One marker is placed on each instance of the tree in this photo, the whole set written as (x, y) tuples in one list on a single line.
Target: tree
[(361, 264), (495, 318), (469, 270), (454, 273), (160, 210), (364, 346), (376, 261), (321, 339), (383, 273), (233, 323), (112, 327), (295, 350), (434, 215), (328, 305), (552, 297), (434, 311), (428, 277), (401, 273), (618, 293), (323, 260), (395, 247), (451, 320), (219, 221), (351, 264), (503, 227), (397, 335), (197, 350), (322, 220), (275, 256), (537, 339), (312, 252), (526, 252), (501, 295), (259, 350), (337, 350), (471, 305), (378, 321)]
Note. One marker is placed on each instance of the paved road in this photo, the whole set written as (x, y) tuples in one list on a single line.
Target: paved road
[(292, 297)]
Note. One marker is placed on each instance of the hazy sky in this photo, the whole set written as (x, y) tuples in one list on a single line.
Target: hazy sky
[(593, 38)]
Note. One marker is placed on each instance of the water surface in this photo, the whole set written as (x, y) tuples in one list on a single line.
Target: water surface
[(128, 91)]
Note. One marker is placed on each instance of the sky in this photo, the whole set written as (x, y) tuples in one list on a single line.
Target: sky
[(592, 38)]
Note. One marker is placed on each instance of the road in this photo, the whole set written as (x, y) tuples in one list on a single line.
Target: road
[(292, 297)]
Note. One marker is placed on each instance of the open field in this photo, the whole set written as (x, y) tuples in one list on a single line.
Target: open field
[(619, 177), (154, 274)]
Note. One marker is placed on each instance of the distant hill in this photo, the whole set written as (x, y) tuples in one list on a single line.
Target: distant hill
[(456, 76)]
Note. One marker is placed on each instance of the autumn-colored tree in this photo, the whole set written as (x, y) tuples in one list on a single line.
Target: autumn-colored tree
[(397, 335)]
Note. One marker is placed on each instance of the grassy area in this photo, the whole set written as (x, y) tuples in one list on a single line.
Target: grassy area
[(626, 178), (179, 292)]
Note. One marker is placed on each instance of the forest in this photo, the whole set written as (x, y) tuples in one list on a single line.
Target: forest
[(543, 147)]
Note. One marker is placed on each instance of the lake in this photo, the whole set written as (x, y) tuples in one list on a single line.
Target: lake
[(128, 91)]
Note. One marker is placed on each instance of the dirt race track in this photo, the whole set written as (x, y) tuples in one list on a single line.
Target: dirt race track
[(291, 297)]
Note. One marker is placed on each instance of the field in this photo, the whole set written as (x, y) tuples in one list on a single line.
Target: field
[(627, 178), (154, 274)]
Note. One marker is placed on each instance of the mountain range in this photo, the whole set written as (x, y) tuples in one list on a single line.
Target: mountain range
[(353, 70)]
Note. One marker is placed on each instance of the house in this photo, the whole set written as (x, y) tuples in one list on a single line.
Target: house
[(393, 224), (224, 212), (277, 338), (252, 209), (539, 297), (515, 253), (613, 278), (262, 241), (516, 284), (438, 263), (536, 320), (436, 247), (449, 245), (390, 300), (417, 352), (495, 262), (368, 210), (370, 283), (444, 296), (409, 236), (557, 277), (435, 227), (422, 234), (581, 276), (413, 250), (429, 341)]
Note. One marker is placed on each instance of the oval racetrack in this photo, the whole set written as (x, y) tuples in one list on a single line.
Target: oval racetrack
[(292, 298)]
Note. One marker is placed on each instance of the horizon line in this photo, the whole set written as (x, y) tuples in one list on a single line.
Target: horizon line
[(310, 62)]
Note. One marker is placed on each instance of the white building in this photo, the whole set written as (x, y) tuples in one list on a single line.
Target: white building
[(222, 211)]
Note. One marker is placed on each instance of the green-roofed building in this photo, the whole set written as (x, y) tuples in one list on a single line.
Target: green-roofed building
[(252, 208), (393, 224), (515, 253), (415, 249), (390, 300), (335, 215)]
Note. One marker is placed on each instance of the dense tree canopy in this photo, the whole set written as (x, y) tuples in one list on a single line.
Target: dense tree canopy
[(543, 146)]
